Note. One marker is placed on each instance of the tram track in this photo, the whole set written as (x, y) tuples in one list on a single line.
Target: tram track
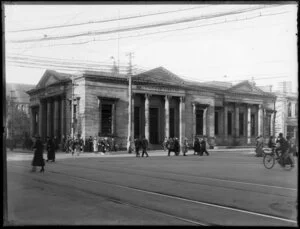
[(115, 200), (212, 206), (182, 180)]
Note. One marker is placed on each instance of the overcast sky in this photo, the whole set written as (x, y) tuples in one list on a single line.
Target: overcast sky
[(259, 43)]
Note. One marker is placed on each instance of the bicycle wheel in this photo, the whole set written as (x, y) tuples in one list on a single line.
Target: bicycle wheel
[(269, 161)]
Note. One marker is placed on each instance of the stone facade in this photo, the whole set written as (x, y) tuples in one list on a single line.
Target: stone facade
[(163, 105), (287, 114)]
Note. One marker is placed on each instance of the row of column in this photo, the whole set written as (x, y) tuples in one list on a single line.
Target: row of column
[(167, 117), (261, 113), (52, 115)]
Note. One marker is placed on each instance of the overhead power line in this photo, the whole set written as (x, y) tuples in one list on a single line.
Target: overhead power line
[(104, 20), (53, 58), (60, 61), (144, 26), (169, 30)]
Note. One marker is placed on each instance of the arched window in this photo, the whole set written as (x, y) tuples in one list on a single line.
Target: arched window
[(289, 109)]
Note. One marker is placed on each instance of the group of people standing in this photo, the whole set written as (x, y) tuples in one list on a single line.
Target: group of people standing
[(173, 145), (74, 146)]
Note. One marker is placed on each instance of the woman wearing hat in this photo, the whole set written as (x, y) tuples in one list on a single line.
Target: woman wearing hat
[(38, 159)]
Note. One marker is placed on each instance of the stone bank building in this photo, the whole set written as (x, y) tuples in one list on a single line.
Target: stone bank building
[(163, 105)]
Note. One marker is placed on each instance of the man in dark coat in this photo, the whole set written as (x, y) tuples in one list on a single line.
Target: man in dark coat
[(90, 144), (56, 144), (137, 144), (170, 146), (144, 144), (50, 149), (176, 146), (197, 146), (203, 147), (38, 159), (283, 146)]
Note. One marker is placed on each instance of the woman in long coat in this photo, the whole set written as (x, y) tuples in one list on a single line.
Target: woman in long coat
[(38, 159), (197, 146), (51, 150)]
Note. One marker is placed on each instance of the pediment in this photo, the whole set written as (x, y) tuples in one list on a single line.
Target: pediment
[(246, 87), (49, 77), (160, 75)]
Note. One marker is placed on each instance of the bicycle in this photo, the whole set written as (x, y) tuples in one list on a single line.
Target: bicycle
[(269, 160)]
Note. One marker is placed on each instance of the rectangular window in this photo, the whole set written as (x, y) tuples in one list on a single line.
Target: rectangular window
[(136, 122), (296, 109), (241, 124), (290, 131), (289, 109), (216, 123), (229, 123), (199, 122), (106, 122), (252, 125)]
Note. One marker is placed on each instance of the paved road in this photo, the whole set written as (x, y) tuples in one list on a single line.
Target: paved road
[(225, 188)]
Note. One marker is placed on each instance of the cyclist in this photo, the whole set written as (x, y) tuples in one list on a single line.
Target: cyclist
[(283, 147)]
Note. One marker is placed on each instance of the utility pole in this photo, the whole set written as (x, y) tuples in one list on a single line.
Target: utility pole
[(12, 106), (129, 102), (72, 109)]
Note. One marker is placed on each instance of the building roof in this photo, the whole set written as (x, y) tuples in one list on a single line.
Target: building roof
[(159, 76), (246, 87), (19, 91), (215, 84)]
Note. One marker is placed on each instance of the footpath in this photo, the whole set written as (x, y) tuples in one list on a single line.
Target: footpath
[(23, 154)]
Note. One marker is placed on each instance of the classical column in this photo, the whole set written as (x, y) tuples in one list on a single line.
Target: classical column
[(272, 124), (41, 117), (248, 124), (32, 118), (237, 120), (68, 116), (147, 134), (113, 121), (62, 117), (260, 116), (194, 121), (167, 116), (100, 115), (225, 121), (204, 120), (56, 118), (49, 117), (181, 121)]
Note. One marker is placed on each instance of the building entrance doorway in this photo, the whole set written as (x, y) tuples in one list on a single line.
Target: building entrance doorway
[(153, 126)]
